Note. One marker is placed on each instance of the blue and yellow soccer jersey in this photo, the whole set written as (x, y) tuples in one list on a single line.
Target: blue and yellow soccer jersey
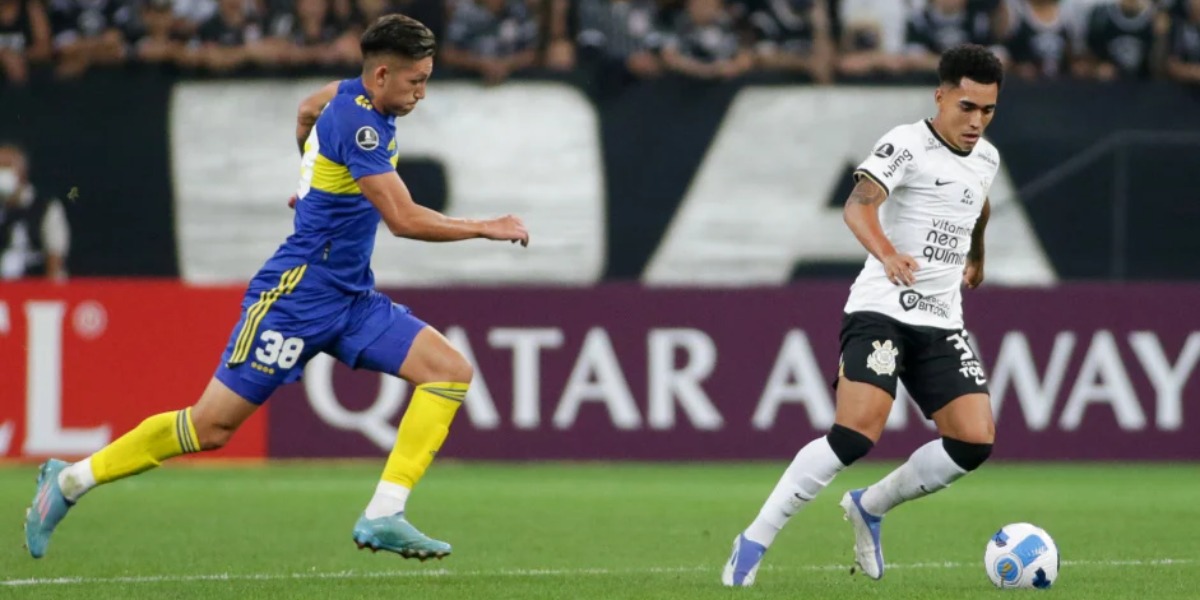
[(335, 224), (316, 293)]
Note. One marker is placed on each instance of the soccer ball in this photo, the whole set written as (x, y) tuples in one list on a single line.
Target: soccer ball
[(1021, 555)]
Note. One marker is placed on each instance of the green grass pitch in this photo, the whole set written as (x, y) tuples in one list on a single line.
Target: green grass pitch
[(594, 531)]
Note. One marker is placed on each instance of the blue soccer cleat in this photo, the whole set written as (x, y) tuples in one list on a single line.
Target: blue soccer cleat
[(868, 550), (49, 507), (743, 563), (395, 534)]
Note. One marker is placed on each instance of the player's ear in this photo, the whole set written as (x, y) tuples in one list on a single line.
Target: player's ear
[(380, 72)]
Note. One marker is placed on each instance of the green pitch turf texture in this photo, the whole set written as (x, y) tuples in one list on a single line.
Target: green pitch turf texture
[(593, 531)]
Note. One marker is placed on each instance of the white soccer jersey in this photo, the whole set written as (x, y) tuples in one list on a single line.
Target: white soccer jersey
[(935, 195)]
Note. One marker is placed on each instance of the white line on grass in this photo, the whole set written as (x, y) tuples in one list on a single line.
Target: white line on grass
[(527, 572)]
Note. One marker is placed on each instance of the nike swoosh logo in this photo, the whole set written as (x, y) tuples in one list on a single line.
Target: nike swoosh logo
[(940, 182)]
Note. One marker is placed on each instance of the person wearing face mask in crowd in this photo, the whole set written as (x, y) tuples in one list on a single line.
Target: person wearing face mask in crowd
[(34, 235)]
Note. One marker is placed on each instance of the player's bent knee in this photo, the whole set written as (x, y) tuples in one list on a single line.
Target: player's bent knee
[(449, 365), (213, 436), (967, 455), (459, 370), (434, 360), (848, 444)]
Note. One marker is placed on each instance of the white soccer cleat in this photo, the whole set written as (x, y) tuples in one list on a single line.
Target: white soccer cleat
[(868, 550), (743, 563)]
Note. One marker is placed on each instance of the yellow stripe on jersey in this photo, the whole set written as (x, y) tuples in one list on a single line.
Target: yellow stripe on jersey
[(333, 178), (254, 315)]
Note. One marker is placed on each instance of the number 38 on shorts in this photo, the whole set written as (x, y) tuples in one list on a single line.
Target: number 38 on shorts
[(276, 350)]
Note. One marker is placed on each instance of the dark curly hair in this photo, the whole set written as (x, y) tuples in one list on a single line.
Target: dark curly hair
[(972, 61), (400, 36)]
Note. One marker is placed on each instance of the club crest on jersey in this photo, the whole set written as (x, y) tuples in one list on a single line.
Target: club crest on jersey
[(367, 138), (883, 359), (884, 150)]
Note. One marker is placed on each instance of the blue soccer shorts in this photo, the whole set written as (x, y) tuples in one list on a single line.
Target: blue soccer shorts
[(282, 328)]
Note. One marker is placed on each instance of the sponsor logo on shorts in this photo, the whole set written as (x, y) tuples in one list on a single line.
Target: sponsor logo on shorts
[(972, 368), (883, 359)]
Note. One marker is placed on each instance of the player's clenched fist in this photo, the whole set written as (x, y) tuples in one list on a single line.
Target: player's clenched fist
[(508, 228), (973, 273), (900, 269)]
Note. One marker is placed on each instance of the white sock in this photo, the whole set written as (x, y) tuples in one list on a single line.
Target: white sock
[(388, 500), (928, 470), (76, 479), (813, 468)]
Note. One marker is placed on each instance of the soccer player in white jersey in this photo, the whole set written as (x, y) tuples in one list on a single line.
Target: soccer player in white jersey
[(919, 207)]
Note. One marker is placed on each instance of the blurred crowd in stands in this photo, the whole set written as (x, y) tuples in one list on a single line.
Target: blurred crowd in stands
[(820, 41)]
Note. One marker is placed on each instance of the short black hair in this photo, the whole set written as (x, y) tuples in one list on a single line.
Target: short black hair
[(398, 35), (972, 61)]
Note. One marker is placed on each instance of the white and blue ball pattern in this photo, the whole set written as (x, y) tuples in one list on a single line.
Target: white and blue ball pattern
[(1021, 555)]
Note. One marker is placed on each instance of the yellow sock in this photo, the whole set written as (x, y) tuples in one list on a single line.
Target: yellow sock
[(158, 438), (424, 427)]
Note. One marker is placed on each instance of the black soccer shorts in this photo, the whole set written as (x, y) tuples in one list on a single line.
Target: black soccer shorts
[(936, 365)]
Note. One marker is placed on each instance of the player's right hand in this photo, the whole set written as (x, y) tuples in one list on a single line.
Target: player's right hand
[(901, 269), (507, 228)]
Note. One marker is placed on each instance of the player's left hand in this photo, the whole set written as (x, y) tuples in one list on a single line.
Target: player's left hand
[(292, 202), (973, 273), (507, 229)]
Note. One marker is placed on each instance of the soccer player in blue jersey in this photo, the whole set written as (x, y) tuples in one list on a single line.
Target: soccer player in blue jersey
[(316, 294)]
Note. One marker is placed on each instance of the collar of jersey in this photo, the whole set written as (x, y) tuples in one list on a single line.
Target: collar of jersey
[(948, 145)]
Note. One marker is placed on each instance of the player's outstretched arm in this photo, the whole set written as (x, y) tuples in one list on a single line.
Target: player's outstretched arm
[(973, 272), (862, 217), (310, 109), (405, 218)]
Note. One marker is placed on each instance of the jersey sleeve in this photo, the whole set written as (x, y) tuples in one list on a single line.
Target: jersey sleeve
[(362, 141), (891, 162)]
